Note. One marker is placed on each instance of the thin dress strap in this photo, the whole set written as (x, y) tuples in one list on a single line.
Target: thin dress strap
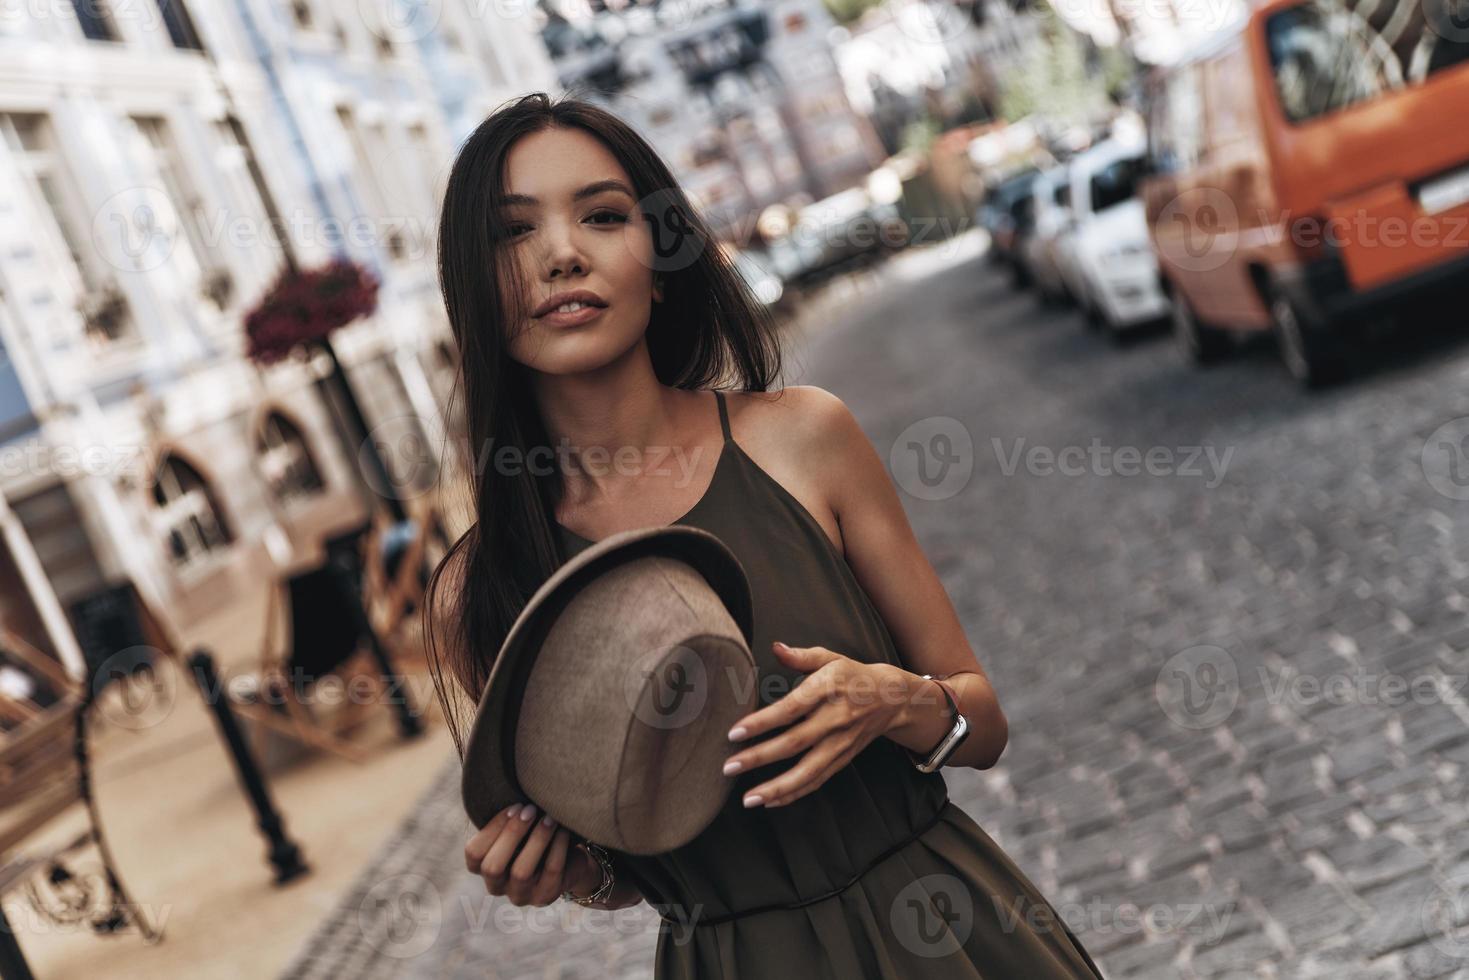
[(723, 415)]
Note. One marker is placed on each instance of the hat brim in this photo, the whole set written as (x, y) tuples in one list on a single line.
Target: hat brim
[(487, 782)]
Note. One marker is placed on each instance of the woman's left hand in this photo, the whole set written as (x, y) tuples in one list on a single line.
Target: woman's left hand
[(842, 705)]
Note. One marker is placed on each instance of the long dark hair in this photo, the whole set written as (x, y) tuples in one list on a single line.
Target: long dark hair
[(706, 332)]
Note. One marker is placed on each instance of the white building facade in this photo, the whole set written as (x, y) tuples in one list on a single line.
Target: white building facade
[(160, 162)]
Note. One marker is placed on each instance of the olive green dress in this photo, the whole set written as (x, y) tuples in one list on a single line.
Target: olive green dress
[(875, 874)]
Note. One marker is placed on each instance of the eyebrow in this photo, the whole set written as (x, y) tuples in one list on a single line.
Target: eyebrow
[(591, 190)]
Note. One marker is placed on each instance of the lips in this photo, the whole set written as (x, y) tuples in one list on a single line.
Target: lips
[(583, 296)]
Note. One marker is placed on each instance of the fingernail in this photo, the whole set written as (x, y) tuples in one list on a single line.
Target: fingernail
[(513, 809), (529, 813), (737, 732), (546, 821), (732, 766), (754, 800)]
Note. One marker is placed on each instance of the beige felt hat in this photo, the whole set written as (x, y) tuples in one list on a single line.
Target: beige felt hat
[(609, 703)]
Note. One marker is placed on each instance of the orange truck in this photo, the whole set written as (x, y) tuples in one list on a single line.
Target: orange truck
[(1308, 171)]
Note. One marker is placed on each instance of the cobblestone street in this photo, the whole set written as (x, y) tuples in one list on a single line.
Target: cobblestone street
[(1226, 619)]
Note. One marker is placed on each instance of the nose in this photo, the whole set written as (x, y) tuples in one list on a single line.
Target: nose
[(564, 258)]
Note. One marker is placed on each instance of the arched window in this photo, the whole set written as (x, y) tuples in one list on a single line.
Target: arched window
[(286, 461), (190, 515)]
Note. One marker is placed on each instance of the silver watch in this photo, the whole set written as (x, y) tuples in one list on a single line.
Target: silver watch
[(949, 742)]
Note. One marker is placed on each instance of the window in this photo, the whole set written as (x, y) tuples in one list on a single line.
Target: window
[(374, 193), (286, 461), (1327, 56), (179, 24), (101, 304), (95, 20), (301, 12), (189, 515), (187, 203), (1115, 183)]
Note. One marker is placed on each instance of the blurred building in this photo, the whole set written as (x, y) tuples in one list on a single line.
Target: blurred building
[(910, 58), (742, 99), (160, 161)]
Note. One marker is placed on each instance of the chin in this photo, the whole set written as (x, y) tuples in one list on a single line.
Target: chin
[(581, 352)]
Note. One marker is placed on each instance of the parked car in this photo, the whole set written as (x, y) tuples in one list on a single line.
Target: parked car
[(1113, 269), (834, 234), (1051, 218), (1304, 175), (999, 210)]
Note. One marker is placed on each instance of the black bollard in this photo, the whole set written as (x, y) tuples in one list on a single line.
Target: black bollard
[(409, 722), (284, 855)]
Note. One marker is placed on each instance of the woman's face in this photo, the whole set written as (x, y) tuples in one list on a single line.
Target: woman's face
[(573, 224)]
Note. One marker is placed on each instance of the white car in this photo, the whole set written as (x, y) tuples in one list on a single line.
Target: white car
[(1114, 270), (1038, 251)]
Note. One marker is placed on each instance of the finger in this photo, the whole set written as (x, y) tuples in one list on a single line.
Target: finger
[(812, 690), (816, 726), (479, 844), (552, 879), (527, 863), (812, 763), (497, 861), (805, 659)]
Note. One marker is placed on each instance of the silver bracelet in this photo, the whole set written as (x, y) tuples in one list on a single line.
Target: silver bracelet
[(599, 855)]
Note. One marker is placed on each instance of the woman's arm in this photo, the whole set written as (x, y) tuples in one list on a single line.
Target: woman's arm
[(897, 576)]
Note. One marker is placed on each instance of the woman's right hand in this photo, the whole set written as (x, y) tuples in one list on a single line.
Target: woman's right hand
[(536, 873)]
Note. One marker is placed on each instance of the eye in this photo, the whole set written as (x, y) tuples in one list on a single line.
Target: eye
[(617, 218)]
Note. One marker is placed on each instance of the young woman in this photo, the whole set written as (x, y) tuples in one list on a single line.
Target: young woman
[(594, 314)]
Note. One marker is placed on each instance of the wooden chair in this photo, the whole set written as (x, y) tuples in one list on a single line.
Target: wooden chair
[(398, 560), (43, 773), (329, 634)]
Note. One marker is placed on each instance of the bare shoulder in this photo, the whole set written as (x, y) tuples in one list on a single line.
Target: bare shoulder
[(800, 436)]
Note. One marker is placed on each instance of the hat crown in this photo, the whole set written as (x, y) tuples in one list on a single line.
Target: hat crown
[(608, 701)]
